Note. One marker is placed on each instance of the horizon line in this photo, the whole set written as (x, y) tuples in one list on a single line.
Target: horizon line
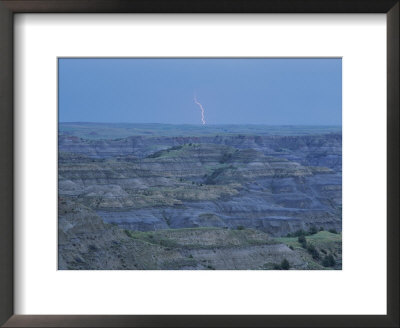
[(198, 124)]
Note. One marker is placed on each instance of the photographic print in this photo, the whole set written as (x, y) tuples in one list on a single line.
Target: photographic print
[(199, 164)]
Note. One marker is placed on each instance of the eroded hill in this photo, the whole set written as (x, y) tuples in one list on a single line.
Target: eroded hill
[(196, 202)]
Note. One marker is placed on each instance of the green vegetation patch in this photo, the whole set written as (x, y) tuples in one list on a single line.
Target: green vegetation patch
[(323, 239), (322, 250)]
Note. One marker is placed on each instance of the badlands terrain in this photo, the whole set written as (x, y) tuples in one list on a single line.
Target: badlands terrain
[(187, 197)]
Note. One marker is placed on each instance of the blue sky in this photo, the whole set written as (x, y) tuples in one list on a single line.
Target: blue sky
[(232, 91)]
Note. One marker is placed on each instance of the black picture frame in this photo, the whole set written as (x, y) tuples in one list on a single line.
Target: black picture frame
[(10, 7)]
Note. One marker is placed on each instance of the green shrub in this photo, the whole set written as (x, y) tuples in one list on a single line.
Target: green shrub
[(128, 233), (333, 231), (299, 233), (240, 227), (302, 240), (313, 251), (285, 264), (328, 261), (313, 230)]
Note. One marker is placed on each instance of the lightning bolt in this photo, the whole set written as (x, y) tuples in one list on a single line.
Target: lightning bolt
[(203, 121)]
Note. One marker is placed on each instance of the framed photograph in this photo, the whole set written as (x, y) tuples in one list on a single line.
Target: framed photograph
[(199, 164), (253, 182)]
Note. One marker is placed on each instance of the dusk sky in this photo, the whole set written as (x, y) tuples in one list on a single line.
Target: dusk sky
[(231, 91)]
